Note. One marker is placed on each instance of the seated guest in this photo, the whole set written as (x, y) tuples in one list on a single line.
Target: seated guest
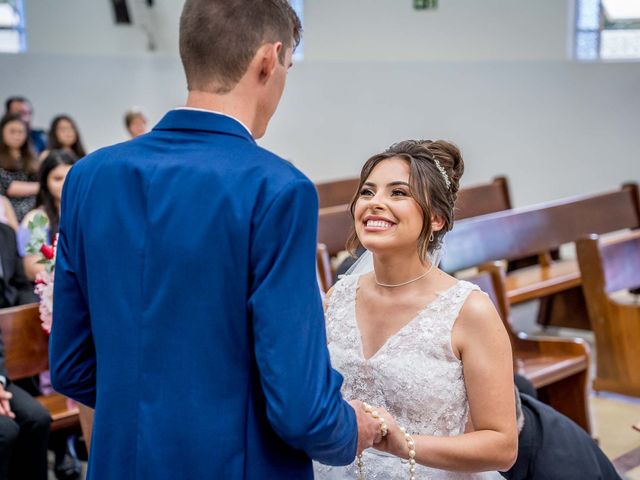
[(18, 166), (7, 215), (22, 106), (64, 135), (24, 430), (135, 122), (52, 173), (553, 447)]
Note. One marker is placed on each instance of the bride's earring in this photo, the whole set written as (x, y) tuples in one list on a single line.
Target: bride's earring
[(431, 238)]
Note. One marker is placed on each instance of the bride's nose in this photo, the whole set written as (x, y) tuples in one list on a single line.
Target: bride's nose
[(377, 202)]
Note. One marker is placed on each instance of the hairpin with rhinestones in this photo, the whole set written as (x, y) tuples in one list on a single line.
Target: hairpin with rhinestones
[(443, 172)]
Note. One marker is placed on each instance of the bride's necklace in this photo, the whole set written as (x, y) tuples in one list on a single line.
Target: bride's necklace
[(388, 285)]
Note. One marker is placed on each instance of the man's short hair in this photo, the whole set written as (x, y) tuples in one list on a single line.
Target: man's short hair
[(219, 38), (16, 98)]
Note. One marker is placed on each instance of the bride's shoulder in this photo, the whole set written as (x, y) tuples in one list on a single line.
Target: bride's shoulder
[(340, 289), (478, 313)]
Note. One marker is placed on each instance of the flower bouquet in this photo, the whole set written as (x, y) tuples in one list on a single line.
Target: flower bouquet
[(38, 246)]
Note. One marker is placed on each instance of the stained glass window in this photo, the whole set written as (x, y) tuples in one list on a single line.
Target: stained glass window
[(12, 38), (607, 30)]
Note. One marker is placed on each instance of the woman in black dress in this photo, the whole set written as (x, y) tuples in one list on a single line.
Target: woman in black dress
[(18, 165)]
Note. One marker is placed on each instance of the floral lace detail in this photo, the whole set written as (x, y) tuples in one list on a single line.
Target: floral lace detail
[(415, 376)]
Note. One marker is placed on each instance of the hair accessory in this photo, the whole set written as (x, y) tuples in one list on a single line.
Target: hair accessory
[(443, 172)]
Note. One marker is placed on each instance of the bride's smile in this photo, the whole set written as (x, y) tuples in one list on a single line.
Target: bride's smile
[(387, 215)]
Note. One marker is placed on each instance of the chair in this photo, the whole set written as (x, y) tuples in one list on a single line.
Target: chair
[(26, 349), (610, 268), (557, 367)]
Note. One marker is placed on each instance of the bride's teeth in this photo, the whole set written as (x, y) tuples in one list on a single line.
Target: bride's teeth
[(378, 224)]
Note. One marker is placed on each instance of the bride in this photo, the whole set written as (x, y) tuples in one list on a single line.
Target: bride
[(428, 350)]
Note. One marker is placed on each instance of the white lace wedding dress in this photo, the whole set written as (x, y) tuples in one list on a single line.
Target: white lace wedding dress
[(415, 376)]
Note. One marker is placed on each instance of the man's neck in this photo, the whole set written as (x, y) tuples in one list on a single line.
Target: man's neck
[(231, 104)]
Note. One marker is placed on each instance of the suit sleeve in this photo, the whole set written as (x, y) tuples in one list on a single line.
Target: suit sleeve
[(304, 404), (72, 355)]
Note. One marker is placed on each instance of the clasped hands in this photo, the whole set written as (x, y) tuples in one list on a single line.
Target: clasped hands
[(370, 430)]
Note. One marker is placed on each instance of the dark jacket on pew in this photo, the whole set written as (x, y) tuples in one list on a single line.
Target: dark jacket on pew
[(552, 447), (15, 287)]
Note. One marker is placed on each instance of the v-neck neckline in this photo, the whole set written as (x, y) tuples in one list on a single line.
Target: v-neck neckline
[(354, 297)]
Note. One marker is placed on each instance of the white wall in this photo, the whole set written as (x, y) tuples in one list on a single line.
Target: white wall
[(391, 30), (87, 27), (490, 76)]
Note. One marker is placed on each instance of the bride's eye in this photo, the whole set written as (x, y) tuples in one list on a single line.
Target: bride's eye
[(366, 192), (399, 192)]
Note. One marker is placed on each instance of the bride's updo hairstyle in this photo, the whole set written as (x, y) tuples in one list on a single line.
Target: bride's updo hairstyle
[(436, 168)]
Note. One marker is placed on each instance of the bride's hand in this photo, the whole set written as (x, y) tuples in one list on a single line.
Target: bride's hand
[(394, 442)]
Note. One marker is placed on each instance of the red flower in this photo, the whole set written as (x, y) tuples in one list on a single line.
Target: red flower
[(39, 281), (47, 251)]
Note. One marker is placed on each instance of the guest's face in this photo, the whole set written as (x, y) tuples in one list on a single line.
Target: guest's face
[(23, 109), (55, 180), (387, 218), (65, 133), (138, 126), (14, 134)]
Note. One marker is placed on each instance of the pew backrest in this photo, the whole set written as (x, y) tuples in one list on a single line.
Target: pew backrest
[(521, 232), (484, 198), (26, 345), (338, 192)]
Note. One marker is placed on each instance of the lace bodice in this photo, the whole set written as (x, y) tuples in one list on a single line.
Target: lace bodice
[(415, 376)]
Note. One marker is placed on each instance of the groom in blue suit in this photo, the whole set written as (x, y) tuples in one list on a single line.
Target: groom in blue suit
[(187, 311)]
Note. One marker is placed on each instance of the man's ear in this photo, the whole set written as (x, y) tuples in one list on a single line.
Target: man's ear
[(269, 57)]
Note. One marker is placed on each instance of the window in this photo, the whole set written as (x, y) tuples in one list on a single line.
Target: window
[(298, 7), (607, 30), (12, 39)]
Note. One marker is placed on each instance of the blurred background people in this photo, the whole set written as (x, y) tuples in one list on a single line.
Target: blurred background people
[(22, 106), (64, 134), (135, 122), (18, 165)]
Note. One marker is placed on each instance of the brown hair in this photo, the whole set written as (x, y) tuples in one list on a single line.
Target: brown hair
[(27, 161), (131, 115), (218, 38), (428, 185), (54, 142)]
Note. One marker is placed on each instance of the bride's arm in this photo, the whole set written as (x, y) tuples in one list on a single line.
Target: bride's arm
[(483, 344)]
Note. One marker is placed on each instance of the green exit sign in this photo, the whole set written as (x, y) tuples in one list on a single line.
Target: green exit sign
[(425, 4)]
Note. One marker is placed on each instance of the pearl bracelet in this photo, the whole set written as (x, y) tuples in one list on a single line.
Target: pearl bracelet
[(384, 430)]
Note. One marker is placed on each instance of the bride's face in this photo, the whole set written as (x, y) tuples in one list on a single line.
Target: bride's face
[(386, 214)]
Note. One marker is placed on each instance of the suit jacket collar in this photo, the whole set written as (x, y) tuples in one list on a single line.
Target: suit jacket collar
[(203, 121)]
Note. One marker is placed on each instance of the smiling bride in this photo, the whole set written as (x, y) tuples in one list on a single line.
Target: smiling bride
[(427, 349)]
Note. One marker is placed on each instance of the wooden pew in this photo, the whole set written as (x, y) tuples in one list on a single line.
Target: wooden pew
[(26, 349), (609, 269), (484, 198), (557, 367), (323, 264), (334, 227), (522, 232), (337, 192)]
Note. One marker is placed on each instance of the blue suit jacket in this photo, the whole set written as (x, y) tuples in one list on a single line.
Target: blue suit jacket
[(187, 309)]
